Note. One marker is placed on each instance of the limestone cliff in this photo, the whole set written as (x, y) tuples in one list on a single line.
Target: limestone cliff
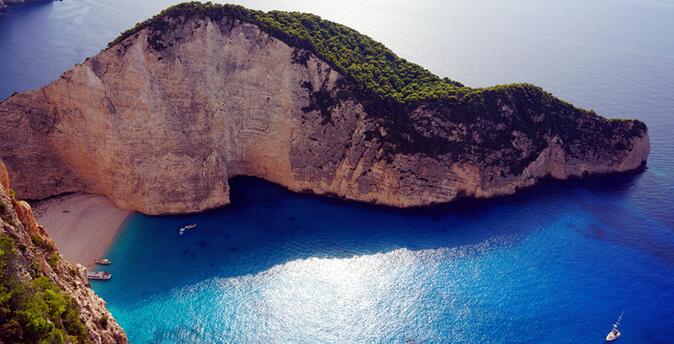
[(34, 274), (161, 119)]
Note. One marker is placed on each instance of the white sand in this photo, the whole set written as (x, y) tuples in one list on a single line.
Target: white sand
[(82, 226)]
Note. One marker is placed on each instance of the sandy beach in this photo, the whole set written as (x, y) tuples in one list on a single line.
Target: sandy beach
[(82, 226)]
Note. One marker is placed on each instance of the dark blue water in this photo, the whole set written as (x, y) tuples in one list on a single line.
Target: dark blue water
[(556, 263)]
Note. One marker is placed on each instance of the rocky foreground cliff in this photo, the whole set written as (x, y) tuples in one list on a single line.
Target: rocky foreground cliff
[(44, 298), (162, 118)]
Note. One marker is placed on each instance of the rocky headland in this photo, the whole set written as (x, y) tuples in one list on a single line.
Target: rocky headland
[(162, 118)]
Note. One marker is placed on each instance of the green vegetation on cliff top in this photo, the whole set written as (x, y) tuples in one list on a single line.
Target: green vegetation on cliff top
[(390, 87), (371, 65), (374, 68)]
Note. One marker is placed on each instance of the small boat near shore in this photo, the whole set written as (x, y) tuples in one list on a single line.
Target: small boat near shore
[(103, 261), (100, 275), (615, 332), (182, 230)]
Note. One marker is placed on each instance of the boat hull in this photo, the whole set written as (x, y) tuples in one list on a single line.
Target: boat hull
[(99, 276), (612, 337)]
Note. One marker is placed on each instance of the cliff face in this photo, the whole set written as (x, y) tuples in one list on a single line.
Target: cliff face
[(29, 258), (159, 121)]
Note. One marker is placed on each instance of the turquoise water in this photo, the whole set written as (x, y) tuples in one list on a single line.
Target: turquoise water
[(555, 264)]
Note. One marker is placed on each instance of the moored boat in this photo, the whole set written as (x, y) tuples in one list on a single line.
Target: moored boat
[(103, 261), (613, 335), (99, 275), (615, 332), (182, 230)]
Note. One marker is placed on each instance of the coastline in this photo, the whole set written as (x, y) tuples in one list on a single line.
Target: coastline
[(83, 226)]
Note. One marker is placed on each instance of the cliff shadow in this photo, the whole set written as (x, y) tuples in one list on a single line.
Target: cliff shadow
[(266, 226)]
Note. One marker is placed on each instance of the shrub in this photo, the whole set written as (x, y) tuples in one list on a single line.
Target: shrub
[(34, 311), (42, 243), (53, 259)]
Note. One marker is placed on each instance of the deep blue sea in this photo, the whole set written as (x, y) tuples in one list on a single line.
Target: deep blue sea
[(555, 264)]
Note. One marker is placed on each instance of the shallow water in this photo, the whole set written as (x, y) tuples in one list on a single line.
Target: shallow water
[(557, 263)]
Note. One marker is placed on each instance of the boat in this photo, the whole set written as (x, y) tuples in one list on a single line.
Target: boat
[(183, 229), (615, 332), (103, 261), (100, 275)]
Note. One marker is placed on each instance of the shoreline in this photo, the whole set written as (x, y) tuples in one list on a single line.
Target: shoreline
[(83, 226)]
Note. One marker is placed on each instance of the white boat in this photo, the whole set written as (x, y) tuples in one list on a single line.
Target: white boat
[(103, 261), (100, 275), (615, 332), (182, 230)]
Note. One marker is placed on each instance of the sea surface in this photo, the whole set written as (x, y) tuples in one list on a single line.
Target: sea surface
[(554, 264)]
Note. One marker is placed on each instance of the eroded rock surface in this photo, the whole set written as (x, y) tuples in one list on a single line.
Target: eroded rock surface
[(160, 121)]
